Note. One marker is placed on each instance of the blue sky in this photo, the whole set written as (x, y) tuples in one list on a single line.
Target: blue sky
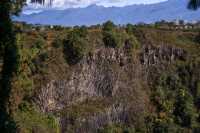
[(62, 4)]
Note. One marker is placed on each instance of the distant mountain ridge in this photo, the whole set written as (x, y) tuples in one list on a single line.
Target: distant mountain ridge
[(91, 15)]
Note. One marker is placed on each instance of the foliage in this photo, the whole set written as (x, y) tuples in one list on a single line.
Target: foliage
[(116, 128), (132, 42), (23, 84), (76, 46), (194, 4), (129, 28), (184, 109), (29, 120), (57, 43), (174, 97), (81, 31), (26, 116), (109, 36), (108, 26), (197, 38), (9, 51), (113, 37), (17, 6), (85, 108)]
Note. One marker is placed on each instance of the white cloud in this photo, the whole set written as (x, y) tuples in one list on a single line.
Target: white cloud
[(62, 4), (120, 3)]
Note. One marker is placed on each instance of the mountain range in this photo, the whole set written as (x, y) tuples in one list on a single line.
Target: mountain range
[(93, 14)]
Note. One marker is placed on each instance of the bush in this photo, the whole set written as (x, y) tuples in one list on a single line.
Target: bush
[(30, 120), (132, 43), (129, 28), (184, 109), (108, 26), (57, 27), (110, 39), (57, 42), (81, 31), (39, 43), (197, 38), (111, 36), (76, 46)]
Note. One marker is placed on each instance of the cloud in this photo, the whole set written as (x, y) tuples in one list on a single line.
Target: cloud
[(62, 4)]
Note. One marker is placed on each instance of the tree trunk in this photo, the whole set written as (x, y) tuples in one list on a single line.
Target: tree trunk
[(8, 50)]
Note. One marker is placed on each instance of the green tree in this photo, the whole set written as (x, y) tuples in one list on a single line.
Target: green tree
[(108, 26), (9, 51), (129, 28), (112, 37), (76, 46), (184, 109)]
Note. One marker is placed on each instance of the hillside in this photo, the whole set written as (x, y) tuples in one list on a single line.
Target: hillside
[(169, 10), (106, 80)]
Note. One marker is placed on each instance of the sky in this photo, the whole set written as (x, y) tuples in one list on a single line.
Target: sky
[(63, 4)]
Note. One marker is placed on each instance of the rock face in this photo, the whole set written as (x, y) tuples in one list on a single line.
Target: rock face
[(97, 75), (109, 76), (164, 53)]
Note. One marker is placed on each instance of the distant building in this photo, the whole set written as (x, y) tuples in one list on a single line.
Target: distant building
[(176, 22), (51, 26)]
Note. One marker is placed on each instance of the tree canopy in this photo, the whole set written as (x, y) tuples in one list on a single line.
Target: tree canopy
[(42, 1), (194, 4)]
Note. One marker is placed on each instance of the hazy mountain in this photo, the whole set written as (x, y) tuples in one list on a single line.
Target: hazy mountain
[(169, 10)]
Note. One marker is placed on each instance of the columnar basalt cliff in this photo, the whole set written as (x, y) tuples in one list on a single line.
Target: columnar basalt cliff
[(108, 74), (164, 53), (149, 83)]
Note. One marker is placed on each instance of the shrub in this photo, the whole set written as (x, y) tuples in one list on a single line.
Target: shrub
[(164, 126), (111, 129), (110, 39), (57, 42), (57, 27), (109, 36), (156, 124), (108, 26), (184, 109), (81, 31), (30, 120), (76, 46), (113, 37), (160, 127), (197, 95), (129, 28), (39, 43), (197, 38), (132, 43)]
